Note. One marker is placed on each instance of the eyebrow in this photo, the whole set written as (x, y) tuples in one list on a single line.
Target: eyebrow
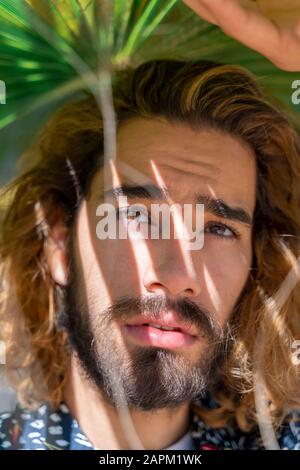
[(216, 206), (220, 208), (146, 191)]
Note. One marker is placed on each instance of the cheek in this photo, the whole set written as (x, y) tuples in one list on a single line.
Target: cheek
[(108, 268), (112, 268), (225, 272), (107, 265)]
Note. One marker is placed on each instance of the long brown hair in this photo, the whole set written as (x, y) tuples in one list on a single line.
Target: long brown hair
[(201, 94)]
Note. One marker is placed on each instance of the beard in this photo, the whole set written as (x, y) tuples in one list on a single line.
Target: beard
[(141, 378)]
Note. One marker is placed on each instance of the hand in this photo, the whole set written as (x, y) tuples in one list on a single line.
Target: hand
[(271, 27)]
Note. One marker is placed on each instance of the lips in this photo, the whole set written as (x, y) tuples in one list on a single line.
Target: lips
[(166, 332), (166, 322)]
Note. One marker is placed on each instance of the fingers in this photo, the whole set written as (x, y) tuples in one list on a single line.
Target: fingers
[(243, 24), (243, 20), (200, 10)]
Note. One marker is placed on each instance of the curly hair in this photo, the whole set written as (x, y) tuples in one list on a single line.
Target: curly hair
[(200, 94)]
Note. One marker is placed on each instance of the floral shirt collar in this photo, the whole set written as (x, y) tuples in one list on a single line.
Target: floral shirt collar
[(47, 429)]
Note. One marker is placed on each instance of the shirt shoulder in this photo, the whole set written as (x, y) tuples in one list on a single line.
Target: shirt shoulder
[(19, 425), (42, 429), (287, 436), (5, 426), (289, 433)]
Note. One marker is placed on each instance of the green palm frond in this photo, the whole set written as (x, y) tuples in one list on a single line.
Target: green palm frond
[(53, 49)]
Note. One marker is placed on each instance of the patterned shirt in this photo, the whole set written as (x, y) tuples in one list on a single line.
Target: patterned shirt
[(48, 429)]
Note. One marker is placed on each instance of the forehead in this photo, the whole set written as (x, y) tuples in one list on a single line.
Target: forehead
[(187, 160)]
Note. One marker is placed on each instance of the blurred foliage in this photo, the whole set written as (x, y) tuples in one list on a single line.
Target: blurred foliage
[(51, 50)]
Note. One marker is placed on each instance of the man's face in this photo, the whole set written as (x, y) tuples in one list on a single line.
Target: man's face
[(118, 287)]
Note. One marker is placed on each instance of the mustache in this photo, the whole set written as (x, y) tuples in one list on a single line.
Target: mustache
[(185, 309)]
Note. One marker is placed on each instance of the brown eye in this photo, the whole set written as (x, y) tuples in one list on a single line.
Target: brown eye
[(139, 216), (221, 231)]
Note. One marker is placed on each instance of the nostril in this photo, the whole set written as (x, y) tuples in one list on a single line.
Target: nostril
[(156, 285), (189, 291)]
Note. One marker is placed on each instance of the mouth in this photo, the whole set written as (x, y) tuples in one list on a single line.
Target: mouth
[(166, 332)]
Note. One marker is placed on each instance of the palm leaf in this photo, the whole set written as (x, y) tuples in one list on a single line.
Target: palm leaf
[(53, 49)]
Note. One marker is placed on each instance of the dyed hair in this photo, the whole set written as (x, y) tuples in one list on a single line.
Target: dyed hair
[(203, 95)]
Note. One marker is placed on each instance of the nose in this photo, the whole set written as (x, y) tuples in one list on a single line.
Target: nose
[(172, 277)]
